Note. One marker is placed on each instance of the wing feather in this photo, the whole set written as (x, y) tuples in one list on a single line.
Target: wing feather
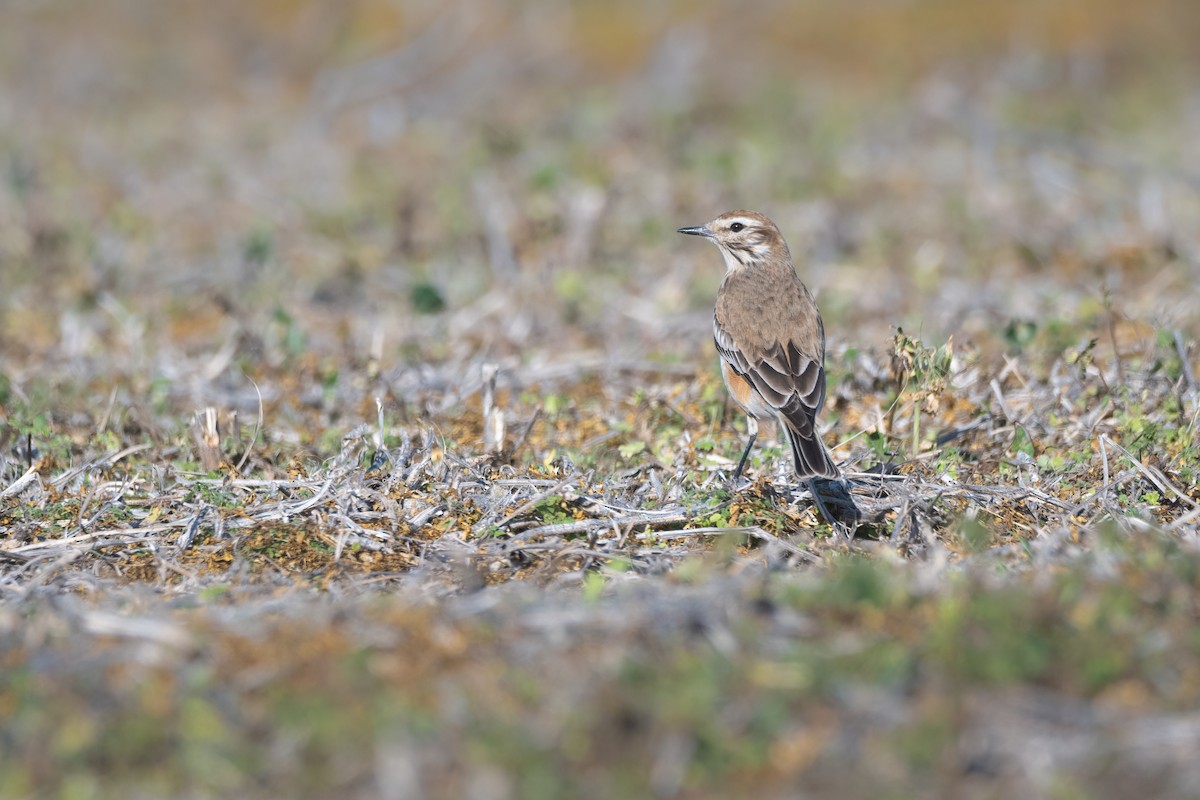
[(793, 383)]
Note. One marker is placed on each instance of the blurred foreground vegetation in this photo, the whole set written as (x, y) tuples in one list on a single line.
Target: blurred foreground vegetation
[(331, 223)]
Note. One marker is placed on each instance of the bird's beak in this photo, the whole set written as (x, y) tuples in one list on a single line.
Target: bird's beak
[(698, 230)]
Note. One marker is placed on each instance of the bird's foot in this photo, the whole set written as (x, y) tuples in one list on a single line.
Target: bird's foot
[(736, 484), (832, 498)]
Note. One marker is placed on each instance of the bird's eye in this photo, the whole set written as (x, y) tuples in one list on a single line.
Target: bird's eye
[(736, 227)]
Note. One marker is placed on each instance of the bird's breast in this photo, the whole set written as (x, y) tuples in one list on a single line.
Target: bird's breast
[(764, 306)]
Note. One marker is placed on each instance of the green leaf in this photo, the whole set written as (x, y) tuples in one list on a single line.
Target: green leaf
[(1022, 443), (426, 299), (1020, 332), (631, 449)]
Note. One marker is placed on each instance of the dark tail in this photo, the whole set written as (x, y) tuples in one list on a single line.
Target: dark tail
[(811, 458), (829, 490)]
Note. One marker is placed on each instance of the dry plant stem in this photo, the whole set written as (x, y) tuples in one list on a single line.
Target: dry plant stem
[(303, 505), (206, 435), (1153, 475), (916, 431), (1112, 335), (379, 429), (528, 505), (493, 415), (102, 425), (1184, 362), (585, 525), (118, 536), (999, 394), (880, 416), (1103, 491), (901, 515), (516, 448), (20, 484), (257, 483), (257, 428), (1101, 495), (73, 475), (1184, 519)]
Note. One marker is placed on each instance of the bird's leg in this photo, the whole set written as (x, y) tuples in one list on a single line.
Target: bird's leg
[(752, 429)]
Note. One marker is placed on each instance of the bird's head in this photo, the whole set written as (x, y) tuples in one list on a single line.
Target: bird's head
[(745, 238)]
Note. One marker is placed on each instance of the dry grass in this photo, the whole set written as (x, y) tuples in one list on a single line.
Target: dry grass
[(320, 322)]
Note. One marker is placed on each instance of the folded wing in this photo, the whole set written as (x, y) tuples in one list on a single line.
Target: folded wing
[(793, 383)]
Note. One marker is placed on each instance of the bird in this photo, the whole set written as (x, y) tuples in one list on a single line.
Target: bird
[(771, 340)]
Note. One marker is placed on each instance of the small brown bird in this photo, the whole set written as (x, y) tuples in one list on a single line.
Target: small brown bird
[(772, 342)]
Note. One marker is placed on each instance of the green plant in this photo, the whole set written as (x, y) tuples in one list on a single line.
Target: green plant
[(922, 373)]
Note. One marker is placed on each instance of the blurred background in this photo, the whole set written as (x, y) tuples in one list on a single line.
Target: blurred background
[(422, 181), (358, 199)]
